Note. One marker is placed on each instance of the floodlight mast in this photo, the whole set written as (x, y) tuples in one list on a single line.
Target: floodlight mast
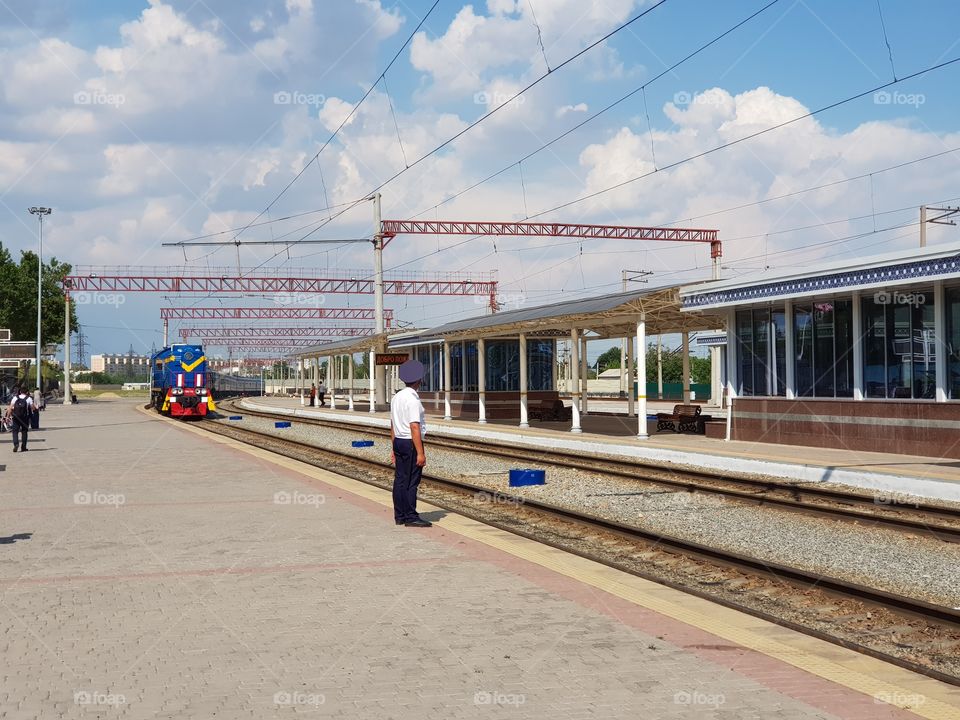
[(40, 212)]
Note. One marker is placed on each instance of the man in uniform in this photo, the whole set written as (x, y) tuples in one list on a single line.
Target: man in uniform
[(407, 428)]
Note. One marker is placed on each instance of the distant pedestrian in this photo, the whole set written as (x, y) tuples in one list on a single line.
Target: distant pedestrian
[(407, 428), (21, 408), (321, 391), (313, 394)]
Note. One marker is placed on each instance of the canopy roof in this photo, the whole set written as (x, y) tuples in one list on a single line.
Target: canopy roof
[(603, 316)]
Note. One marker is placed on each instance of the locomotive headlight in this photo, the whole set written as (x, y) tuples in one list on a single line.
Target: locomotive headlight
[(176, 391)]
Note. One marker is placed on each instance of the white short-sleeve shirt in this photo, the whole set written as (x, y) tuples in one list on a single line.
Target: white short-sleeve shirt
[(406, 408)]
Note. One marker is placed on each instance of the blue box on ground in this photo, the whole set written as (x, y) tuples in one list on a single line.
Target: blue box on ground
[(527, 477), (282, 424), (362, 443), (236, 417)]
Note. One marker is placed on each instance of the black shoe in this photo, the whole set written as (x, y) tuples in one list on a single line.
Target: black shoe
[(23, 449), (398, 522), (419, 523), (15, 449)]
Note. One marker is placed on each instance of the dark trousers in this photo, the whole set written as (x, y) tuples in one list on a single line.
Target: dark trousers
[(19, 428), (406, 480), (321, 399), (313, 401)]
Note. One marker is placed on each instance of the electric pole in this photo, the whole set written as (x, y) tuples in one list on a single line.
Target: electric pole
[(946, 212)]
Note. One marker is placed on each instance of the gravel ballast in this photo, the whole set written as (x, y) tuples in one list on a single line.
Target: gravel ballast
[(908, 564)]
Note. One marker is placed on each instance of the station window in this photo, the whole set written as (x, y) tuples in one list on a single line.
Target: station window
[(456, 367), (503, 365), (952, 299), (823, 343), (762, 361), (900, 353)]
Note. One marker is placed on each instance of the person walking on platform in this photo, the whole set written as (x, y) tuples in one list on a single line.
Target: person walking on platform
[(20, 411), (321, 391), (313, 394), (407, 428)]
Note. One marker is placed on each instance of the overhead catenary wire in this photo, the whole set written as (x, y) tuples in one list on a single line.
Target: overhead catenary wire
[(509, 100), (605, 109), (751, 136), (343, 123)]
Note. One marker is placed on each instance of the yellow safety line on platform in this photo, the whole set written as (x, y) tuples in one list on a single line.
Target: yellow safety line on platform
[(818, 657)]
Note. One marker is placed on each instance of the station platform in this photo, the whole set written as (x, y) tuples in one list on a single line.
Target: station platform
[(894, 478), (154, 571)]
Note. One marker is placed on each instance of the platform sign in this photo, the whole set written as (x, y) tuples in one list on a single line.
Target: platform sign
[(713, 339), (4, 335), (391, 359), (9, 363), (20, 350)]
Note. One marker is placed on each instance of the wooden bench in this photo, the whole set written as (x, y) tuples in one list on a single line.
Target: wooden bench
[(548, 409), (684, 418)]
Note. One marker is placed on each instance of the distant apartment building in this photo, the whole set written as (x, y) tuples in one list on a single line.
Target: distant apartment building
[(128, 365)]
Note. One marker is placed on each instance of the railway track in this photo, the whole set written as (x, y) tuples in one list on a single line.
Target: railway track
[(886, 511), (910, 633)]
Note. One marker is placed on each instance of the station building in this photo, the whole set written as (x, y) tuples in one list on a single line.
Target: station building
[(862, 355), (504, 366)]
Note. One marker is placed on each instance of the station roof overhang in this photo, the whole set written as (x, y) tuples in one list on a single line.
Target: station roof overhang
[(599, 317), (915, 266), (346, 346)]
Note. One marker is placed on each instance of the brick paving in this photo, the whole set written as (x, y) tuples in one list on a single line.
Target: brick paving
[(151, 573)]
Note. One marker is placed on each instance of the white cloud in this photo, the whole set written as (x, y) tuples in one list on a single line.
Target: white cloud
[(578, 108)]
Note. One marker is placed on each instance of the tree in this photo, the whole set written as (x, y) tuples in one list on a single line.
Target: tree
[(18, 297), (673, 366), (609, 359)]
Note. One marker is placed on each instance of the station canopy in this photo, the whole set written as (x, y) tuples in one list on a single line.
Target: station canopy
[(347, 346), (603, 316)]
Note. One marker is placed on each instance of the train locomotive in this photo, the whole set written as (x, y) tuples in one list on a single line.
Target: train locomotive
[(178, 382)]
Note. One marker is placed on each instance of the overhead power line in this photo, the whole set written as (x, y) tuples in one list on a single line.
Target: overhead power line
[(344, 122), (751, 136)]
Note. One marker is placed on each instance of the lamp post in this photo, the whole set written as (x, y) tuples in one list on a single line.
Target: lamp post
[(39, 212)]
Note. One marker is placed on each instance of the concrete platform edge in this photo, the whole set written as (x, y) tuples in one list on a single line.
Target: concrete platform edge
[(864, 479)]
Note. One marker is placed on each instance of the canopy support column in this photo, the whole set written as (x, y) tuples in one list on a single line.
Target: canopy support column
[(524, 418), (583, 375), (482, 380), (642, 378), (631, 405), (373, 379), (575, 381), (447, 381), (686, 367), (332, 372), (350, 381)]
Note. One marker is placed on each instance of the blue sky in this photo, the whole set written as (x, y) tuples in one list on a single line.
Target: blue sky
[(180, 133)]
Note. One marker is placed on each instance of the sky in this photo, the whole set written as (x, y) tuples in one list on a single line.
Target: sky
[(144, 123)]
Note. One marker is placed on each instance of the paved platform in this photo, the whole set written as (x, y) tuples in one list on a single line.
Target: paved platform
[(153, 571), (894, 478)]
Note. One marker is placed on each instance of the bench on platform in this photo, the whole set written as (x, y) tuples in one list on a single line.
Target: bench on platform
[(684, 418), (547, 409)]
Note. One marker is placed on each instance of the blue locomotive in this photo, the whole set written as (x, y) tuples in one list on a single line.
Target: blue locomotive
[(178, 383)]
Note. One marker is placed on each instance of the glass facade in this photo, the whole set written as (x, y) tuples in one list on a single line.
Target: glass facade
[(823, 350), (952, 342), (900, 348), (503, 365)]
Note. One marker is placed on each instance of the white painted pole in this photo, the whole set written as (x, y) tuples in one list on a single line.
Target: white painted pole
[(686, 367), (642, 378), (350, 381), (524, 382), (583, 376), (373, 380), (66, 350), (482, 380), (575, 381), (631, 402), (332, 365), (447, 382)]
